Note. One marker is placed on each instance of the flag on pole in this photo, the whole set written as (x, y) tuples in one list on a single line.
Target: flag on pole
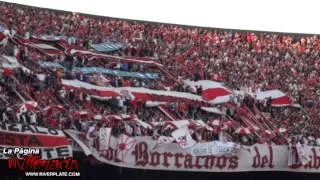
[(124, 145)]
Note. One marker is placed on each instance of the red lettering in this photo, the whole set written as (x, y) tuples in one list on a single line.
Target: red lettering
[(109, 154), (155, 159), (197, 165), (177, 156), (35, 163), (256, 158), (188, 161), (74, 165), (264, 161), (12, 163), (271, 157), (233, 162), (165, 160), (54, 165), (221, 162), (141, 154), (316, 159), (209, 162), (17, 140)]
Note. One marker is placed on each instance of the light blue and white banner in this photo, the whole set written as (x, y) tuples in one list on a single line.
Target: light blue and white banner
[(49, 37), (214, 148), (89, 70), (45, 64), (107, 46)]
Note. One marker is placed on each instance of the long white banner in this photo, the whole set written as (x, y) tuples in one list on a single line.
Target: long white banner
[(148, 154)]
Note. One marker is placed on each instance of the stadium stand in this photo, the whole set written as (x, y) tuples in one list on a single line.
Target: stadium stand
[(68, 70), (265, 82)]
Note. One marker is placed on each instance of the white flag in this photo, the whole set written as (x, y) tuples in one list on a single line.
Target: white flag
[(183, 138), (297, 155), (104, 138), (125, 144), (304, 159)]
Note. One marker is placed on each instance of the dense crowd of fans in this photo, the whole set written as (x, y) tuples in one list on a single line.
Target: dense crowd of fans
[(246, 61)]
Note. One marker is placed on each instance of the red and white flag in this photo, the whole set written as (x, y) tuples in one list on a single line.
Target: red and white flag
[(278, 97), (42, 47), (212, 91), (27, 106), (183, 138), (125, 144)]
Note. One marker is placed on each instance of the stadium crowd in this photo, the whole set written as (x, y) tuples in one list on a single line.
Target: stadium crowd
[(243, 61)]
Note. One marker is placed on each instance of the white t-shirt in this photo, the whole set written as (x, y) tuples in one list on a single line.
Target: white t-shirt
[(27, 35), (129, 129), (15, 51), (120, 102), (318, 141), (63, 93), (4, 117), (33, 119), (88, 98)]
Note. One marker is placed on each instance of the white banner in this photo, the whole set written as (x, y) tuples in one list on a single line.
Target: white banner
[(104, 138), (214, 148), (141, 154), (172, 157)]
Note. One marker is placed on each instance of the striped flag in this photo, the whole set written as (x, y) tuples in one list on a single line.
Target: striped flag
[(49, 37), (107, 46), (44, 48)]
